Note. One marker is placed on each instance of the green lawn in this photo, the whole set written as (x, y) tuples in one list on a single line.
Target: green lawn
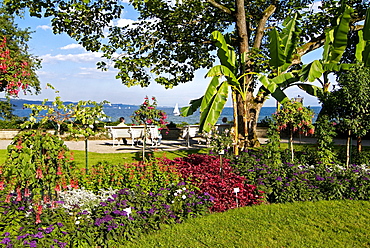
[(300, 224), (118, 158)]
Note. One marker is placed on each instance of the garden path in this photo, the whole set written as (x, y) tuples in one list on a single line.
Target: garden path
[(105, 146)]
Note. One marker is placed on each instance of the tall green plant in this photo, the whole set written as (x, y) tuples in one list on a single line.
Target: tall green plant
[(38, 166), (148, 114), (80, 118), (295, 118)]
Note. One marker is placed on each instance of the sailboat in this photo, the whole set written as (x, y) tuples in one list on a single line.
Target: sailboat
[(176, 111)]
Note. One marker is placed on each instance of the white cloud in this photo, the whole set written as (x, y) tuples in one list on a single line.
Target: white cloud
[(96, 73), (124, 22), (44, 27), (72, 46), (78, 58), (315, 6)]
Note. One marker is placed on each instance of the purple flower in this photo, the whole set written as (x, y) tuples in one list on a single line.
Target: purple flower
[(5, 241), (6, 234), (38, 235), (49, 229), (318, 178), (279, 179)]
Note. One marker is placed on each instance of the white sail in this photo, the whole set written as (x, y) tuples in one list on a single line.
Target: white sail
[(176, 111)]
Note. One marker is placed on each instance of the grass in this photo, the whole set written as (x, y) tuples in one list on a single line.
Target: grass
[(118, 158), (300, 224)]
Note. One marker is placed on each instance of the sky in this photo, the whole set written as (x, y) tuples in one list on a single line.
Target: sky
[(72, 71)]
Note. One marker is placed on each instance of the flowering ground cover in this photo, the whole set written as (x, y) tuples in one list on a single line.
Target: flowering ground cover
[(116, 203)]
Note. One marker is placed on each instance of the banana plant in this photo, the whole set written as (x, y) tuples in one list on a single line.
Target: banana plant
[(213, 101), (282, 51), (215, 97), (336, 41), (334, 47)]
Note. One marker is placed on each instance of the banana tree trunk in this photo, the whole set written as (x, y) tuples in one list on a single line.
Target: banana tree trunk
[(246, 121)]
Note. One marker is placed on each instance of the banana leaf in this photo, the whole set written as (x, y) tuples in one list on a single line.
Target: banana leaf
[(277, 56), (210, 115), (189, 110)]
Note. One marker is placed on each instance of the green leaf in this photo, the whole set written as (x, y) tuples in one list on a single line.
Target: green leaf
[(311, 89), (329, 37), (210, 115), (276, 53), (210, 92), (336, 67), (221, 70), (189, 110), (289, 37), (280, 96), (227, 56), (311, 71), (341, 35), (366, 54), (285, 79), (268, 84), (360, 47)]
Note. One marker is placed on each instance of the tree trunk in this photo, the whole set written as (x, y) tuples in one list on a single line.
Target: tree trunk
[(246, 122), (359, 144)]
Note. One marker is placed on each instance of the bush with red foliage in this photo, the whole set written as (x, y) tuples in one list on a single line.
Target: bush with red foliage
[(205, 172)]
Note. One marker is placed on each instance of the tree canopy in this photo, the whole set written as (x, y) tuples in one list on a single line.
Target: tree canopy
[(17, 66), (172, 39)]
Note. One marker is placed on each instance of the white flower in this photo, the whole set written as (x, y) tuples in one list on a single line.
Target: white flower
[(184, 197), (77, 222), (175, 194), (128, 211), (184, 188)]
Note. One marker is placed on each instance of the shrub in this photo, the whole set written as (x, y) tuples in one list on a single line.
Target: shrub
[(205, 172), (122, 216), (303, 182), (38, 165), (151, 175)]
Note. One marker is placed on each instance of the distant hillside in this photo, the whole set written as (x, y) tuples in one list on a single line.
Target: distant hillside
[(18, 103)]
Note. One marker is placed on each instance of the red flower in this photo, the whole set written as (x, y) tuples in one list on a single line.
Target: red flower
[(19, 195), (39, 173), (38, 220), (27, 192), (1, 185), (57, 188)]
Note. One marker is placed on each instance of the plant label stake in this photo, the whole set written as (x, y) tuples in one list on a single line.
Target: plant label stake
[(220, 154), (236, 191)]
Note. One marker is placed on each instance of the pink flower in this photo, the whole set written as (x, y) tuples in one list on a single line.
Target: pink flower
[(19, 195), (27, 192), (39, 173)]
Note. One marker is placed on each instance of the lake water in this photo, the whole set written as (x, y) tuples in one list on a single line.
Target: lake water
[(114, 111), (118, 110)]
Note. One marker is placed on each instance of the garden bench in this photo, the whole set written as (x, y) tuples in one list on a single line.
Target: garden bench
[(189, 132), (135, 133)]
